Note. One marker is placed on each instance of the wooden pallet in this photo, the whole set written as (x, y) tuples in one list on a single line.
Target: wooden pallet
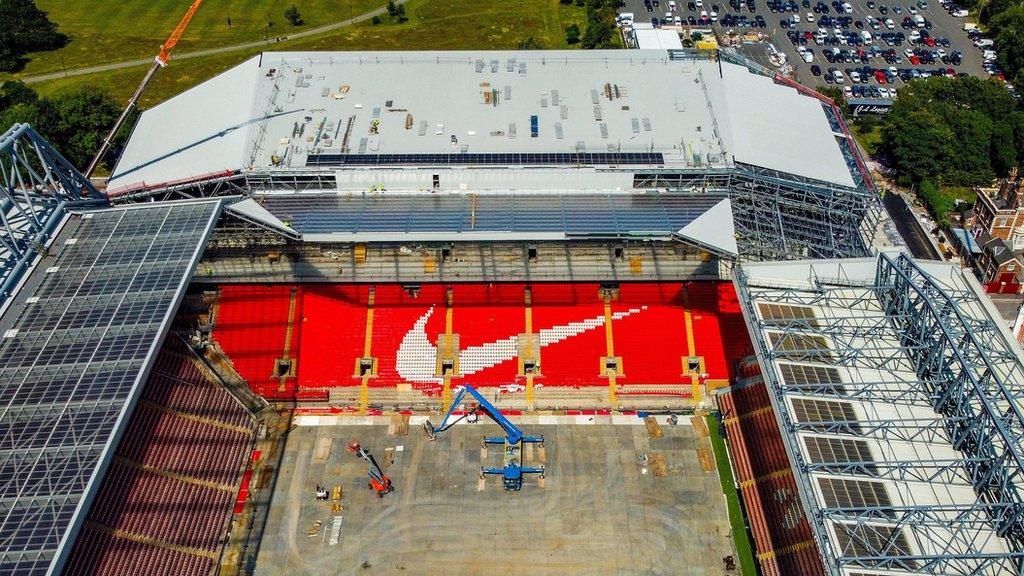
[(653, 428)]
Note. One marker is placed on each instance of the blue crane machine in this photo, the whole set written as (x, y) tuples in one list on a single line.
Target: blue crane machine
[(513, 469)]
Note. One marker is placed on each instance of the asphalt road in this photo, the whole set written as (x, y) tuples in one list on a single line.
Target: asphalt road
[(209, 51), (909, 227)]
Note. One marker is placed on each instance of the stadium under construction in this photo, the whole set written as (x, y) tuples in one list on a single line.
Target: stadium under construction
[(686, 298)]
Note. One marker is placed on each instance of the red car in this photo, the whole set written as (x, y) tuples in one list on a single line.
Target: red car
[(930, 42), (881, 77), (915, 60)]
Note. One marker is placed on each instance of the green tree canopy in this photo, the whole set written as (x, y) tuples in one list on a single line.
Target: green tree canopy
[(293, 16), (1007, 31), (24, 28), (952, 131), (75, 121)]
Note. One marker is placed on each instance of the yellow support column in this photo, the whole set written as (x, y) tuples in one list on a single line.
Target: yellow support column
[(364, 387), (613, 399), (446, 392), (692, 347), (530, 393)]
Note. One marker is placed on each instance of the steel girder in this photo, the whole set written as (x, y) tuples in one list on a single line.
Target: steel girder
[(37, 184), (966, 371)]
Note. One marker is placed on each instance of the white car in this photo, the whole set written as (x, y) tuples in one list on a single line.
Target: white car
[(677, 21), (854, 76), (714, 16), (810, 17), (795, 18), (908, 52), (699, 3), (703, 14), (961, 13), (847, 91), (837, 77), (847, 8), (890, 24), (672, 6), (940, 53), (808, 56), (912, 10)]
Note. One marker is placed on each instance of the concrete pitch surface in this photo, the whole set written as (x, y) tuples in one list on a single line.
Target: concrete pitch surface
[(596, 514)]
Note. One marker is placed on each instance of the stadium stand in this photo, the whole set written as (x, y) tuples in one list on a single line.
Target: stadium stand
[(163, 504), (409, 327), (252, 322), (783, 539)]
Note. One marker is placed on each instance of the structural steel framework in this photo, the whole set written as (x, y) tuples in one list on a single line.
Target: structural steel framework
[(967, 391), (36, 185)]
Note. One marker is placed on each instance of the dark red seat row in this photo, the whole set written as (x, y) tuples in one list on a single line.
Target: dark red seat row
[(187, 432), (783, 539)]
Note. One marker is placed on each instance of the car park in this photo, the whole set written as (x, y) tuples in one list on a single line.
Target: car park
[(873, 44)]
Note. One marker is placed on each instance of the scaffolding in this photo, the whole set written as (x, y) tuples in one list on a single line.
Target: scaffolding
[(781, 216), (928, 395), (37, 184)]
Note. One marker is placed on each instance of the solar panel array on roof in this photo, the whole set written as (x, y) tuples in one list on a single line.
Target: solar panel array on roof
[(796, 346), (526, 159), (608, 214), (848, 493), (782, 314), (863, 540), (77, 344), (799, 376), (808, 410), (822, 450)]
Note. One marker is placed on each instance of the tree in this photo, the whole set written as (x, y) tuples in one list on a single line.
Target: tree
[(293, 16), (1016, 123), (400, 13), (13, 92), (532, 43), (572, 34), (953, 131), (375, 21), (75, 121), (85, 115), (599, 33), (392, 8), (916, 142), (993, 8), (1008, 34), (1004, 151), (25, 29)]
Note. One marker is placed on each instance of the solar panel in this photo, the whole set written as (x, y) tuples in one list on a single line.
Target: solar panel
[(809, 411), (801, 346), (847, 493), (501, 159), (583, 214), (76, 361), (803, 376), (866, 540), (785, 314), (822, 450)]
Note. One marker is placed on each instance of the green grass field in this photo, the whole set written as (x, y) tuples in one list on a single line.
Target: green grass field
[(103, 32), (744, 550), (432, 25)]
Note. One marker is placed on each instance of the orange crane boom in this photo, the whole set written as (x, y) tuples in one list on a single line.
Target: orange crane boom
[(161, 60), (172, 41)]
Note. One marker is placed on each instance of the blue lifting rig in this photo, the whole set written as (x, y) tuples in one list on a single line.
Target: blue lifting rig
[(512, 472)]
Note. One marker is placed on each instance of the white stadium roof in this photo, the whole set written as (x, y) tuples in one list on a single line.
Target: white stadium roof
[(298, 109)]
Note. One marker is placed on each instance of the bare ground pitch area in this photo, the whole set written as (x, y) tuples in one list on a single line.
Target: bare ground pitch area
[(601, 510)]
